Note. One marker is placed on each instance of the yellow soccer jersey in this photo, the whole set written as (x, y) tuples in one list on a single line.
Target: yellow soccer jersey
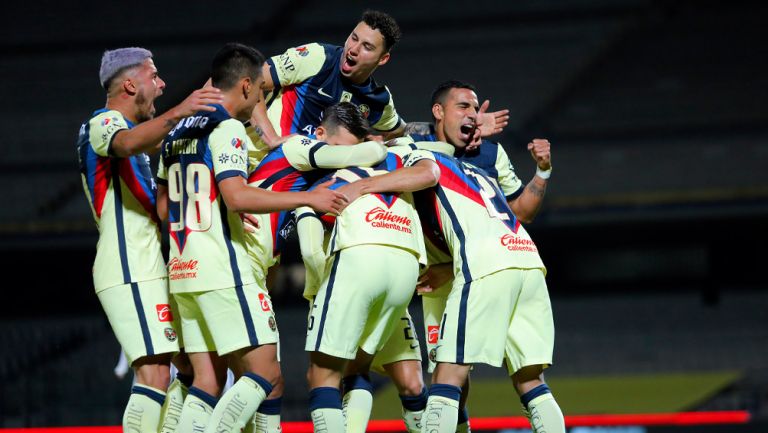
[(307, 80), (475, 222), (207, 241), (489, 156), (121, 193)]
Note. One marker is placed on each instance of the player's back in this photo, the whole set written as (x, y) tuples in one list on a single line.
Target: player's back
[(207, 240), (476, 224)]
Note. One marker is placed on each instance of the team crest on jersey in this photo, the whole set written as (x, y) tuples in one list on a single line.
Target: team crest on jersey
[(237, 143), (364, 110), (170, 334), (346, 96), (272, 324), (433, 355), (302, 51)]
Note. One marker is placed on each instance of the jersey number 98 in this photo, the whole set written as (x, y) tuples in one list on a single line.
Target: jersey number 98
[(194, 189)]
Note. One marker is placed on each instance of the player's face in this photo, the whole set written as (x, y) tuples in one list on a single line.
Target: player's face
[(458, 116), (340, 137), (149, 86), (254, 90), (363, 53)]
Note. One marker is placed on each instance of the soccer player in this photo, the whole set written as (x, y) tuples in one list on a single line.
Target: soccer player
[(294, 166), (354, 312), (306, 79), (456, 115), (202, 191), (499, 280), (129, 272)]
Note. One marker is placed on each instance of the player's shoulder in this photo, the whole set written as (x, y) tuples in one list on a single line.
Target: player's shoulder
[(109, 119)]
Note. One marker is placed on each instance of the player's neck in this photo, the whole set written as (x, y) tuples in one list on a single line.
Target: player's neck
[(232, 104), (125, 105)]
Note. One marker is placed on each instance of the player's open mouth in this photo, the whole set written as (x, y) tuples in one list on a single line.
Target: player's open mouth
[(467, 130), (348, 64)]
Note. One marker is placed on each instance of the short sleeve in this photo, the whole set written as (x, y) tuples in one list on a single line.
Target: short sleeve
[(162, 172), (389, 120), (229, 150), (417, 155), (510, 184), (296, 64), (103, 128)]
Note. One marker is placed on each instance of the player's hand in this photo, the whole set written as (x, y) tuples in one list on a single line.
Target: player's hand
[(352, 190), (199, 100), (435, 277), (325, 200), (281, 140), (250, 222), (491, 123), (540, 152)]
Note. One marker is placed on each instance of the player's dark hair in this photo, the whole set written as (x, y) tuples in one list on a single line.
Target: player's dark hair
[(347, 115), (385, 24), (438, 96), (233, 62)]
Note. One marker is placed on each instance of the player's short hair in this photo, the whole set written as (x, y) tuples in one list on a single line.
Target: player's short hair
[(438, 96), (385, 24), (115, 62), (233, 62), (347, 115)]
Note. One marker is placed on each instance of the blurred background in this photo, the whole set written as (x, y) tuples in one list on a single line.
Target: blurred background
[(653, 229)]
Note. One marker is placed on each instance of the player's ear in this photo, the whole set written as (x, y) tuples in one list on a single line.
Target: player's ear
[(384, 59), (437, 112), (129, 86), (320, 133)]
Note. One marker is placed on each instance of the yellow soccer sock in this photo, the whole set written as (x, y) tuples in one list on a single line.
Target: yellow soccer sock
[(545, 414), (197, 410), (413, 410), (267, 417), (357, 403), (142, 413), (238, 405), (174, 402), (325, 407), (442, 412)]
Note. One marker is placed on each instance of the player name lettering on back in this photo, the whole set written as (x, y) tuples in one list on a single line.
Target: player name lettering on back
[(183, 146), (191, 122)]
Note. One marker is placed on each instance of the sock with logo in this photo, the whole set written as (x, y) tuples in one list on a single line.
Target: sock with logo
[(267, 417), (174, 402), (325, 408), (413, 410), (357, 402), (238, 405), (545, 414), (142, 413), (197, 410), (442, 411), (463, 422)]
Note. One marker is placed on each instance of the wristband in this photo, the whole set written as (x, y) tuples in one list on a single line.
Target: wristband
[(544, 174)]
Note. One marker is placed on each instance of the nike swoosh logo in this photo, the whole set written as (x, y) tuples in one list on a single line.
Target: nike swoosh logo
[(320, 91), (414, 346)]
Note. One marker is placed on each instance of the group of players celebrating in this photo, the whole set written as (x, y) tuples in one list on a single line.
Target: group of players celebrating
[(308, 141)]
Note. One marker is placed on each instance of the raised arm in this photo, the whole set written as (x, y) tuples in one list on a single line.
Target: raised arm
[(147, 136), (527, 205)]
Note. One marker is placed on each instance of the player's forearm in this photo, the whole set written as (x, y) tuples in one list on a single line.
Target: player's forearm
[(146, 136), (260, 121), (362, 155), (407, 179), (257, 200), (527, 205)]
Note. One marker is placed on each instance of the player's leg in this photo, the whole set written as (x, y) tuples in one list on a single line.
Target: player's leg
[(244, 328), (442, 412), (400, 359), (181, 378), (324, 378), (139, 314), (529, 347), (409, 381)]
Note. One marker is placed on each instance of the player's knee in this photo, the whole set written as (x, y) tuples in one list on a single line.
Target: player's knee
[(277, 387), (154, 375)]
